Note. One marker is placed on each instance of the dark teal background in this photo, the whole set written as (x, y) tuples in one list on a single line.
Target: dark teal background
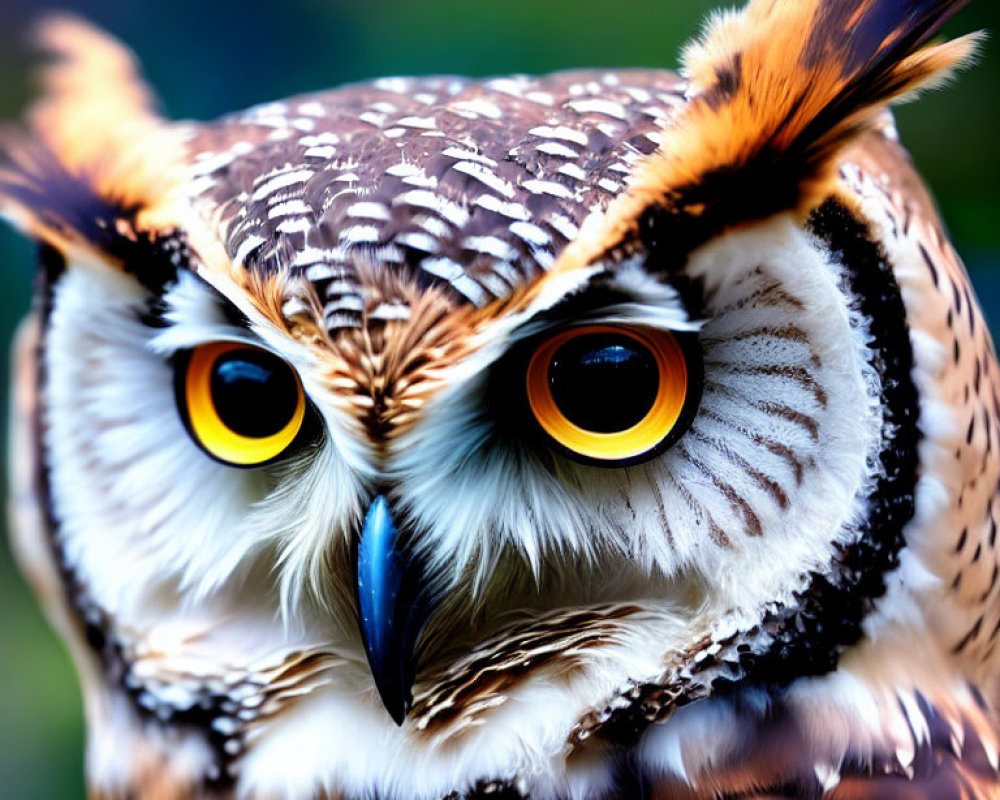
[(206, 58)]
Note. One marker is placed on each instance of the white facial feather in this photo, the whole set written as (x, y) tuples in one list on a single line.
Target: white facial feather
[(221, 556), (181, 525), (507, 492), (373, 755)]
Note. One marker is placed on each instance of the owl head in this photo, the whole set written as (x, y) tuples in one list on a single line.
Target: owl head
[(531, 436)]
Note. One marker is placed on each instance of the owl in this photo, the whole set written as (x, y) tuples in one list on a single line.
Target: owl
[(598, 436)]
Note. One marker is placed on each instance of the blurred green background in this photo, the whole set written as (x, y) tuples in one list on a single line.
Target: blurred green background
[(206, 57)]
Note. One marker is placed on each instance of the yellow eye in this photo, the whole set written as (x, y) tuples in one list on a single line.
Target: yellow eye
[(242, 405), (608, 394)]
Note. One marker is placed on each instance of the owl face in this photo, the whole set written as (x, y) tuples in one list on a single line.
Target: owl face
[(442, 436)]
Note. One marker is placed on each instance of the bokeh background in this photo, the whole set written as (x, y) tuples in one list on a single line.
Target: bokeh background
[(207, 57)]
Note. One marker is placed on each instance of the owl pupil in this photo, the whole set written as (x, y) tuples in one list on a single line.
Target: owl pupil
[(254, 393), (604, 383)]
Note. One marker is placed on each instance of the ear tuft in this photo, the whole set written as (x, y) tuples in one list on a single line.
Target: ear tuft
[(779, 89), (776, 92), (94, 149), (95, 100)]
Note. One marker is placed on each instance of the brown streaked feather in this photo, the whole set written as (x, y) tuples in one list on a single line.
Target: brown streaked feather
[(765, 122), (965, 559), (386, 372), (454, 700)]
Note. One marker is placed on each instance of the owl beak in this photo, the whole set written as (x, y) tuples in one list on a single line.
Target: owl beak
[(393, 606)]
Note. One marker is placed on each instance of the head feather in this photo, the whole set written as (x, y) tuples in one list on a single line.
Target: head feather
[(777, 91), (94, 154)]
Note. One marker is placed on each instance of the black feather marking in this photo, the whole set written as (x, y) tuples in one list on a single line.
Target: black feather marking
[(870, 49), (875, 37), (68, 205), (63, 202)]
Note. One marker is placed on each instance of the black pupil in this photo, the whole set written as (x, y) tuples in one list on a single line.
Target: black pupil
[(254, 392), (604, 382)]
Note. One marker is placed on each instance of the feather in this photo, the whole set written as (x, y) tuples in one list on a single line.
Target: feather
[(94, 152), (776, 92)]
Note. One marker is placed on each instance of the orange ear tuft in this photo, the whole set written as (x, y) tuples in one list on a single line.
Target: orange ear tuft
[(776, 91), (95, 101), (794, 79), (93, 146)]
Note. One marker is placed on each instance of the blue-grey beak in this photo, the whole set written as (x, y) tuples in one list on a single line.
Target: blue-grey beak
[(393, 606)]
